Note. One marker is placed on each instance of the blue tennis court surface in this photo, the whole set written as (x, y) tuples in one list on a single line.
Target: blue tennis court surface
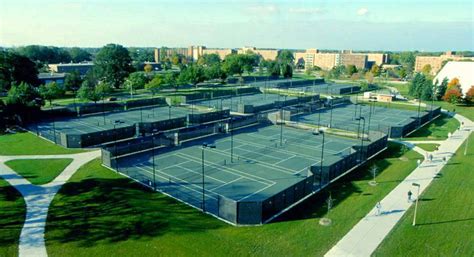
[(253, 99)]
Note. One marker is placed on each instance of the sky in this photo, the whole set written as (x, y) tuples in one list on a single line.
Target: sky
[(392, 25)]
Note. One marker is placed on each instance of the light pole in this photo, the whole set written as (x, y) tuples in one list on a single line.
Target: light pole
[(169, 112), (416, 203), (231, 141), (54, 124), (153, 158), (204, 146), (362, 138), (370, 116), (281, 126), (319, 117), (419, 106), (330, 117), (322, 159), (116, 122)]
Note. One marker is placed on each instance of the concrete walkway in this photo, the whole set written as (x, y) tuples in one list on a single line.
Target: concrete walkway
[(38, 198), (366, 235)]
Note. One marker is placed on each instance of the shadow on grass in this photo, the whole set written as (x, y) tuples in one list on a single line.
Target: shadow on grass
[(109, 210), (316, 207), (430, 129), (12, 215), (444, 222)]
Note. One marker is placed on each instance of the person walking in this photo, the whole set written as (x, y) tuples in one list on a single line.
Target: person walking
[(409, 195), (379, 208)]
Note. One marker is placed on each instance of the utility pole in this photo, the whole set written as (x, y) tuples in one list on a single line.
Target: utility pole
[(416, 203)]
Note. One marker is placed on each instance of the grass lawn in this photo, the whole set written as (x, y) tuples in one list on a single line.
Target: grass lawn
[(12, 216), (39, 171), (465, 110), (117, 217), (445, 215), (28, 144), (428, 147), (436, 130)]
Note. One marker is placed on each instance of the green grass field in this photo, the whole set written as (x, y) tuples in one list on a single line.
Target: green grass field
[(12, 216), (445, 215), (428, 147), (436, 130), (39, 171), (119, 217), (28, 144)]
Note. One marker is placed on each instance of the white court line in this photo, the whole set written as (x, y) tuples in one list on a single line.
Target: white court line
[(233, 171), (166, 178), (194, 172), (254, 193), (225, 184), (284, 160)]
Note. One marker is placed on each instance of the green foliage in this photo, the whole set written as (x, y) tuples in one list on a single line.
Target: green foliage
[(273, 69), (26, 143), (233, 65), (15, 69), (421, 87), (194, 74), (214, 72), (112, 64), (73, 81), (79, 55), (23, 95), (336, 72), (285, 57), (51, 91), (441, 89), (287, 70), (156, 84), (135, 80), (12, 218), (209, 59), (45, 54), (351, 69), (375, 70)]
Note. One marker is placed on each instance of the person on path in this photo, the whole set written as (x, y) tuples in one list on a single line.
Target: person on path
[(418, 162), (431, 157), (379, 208), (409, 195)]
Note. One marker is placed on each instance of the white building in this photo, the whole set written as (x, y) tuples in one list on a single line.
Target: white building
[(464, 71)]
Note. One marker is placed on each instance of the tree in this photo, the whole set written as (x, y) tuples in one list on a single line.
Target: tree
[(441, 89), (194, 74), (23, 95), (470, 95), (155, 85), (351, 69), (103, 89), (273, 69), (213, 72), (171, 79), (73, 81), (287, 70), (426, 70), (50, 91), (148, 68), (375, 70), (454, 83), (233, 65), (79, 55), (427, 90), (135, 80), (369, 76), (416, 85), (285, 57), (452, 96), (209, 59), (112, 64), (15, 69), (45, 54), (402, 72)]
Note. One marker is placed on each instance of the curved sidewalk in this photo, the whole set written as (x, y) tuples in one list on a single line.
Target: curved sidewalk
[(365, 236), (39, 197)]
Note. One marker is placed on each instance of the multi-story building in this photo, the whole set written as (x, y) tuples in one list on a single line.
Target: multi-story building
[(82, 68), (192, 52), (267, 54), (377, 59), (436, 62), (326, 61)]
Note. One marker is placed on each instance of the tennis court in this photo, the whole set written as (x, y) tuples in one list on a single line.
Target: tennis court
[(328, 89), (255, 100), (261, 167), (344, 117), (106, 121)]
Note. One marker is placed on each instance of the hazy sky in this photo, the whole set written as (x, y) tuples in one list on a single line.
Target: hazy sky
[(428, 25)]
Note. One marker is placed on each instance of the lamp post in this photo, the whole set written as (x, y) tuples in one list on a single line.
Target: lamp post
[(370, 116), (362, 138), (204, 146), (153, 158), (169, 112), (416, 203), (231, 141), (319, 117), (281, 126), (322, 159), (419, 106), (330, 117), (116, 122), (54, 125)]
